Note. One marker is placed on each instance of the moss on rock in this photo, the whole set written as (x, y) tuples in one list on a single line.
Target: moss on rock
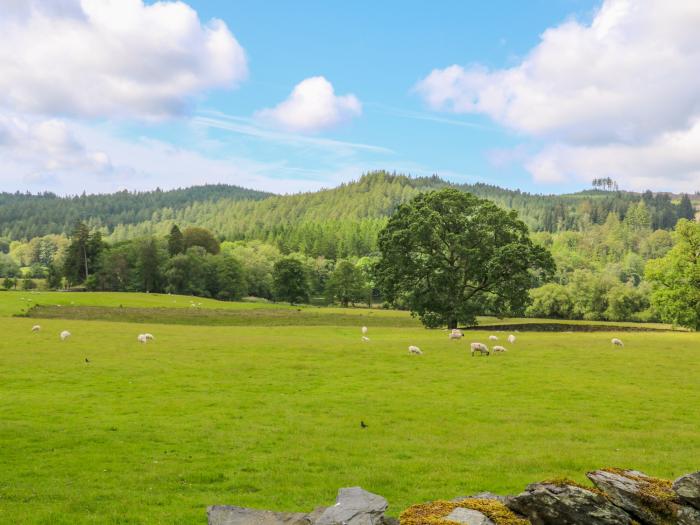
[(435, 512)]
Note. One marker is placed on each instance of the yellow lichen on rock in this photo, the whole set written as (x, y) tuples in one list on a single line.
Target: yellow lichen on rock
[(435, 512)]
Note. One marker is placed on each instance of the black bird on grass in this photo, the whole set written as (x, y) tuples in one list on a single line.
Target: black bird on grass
[(87, 360), (363, 424)]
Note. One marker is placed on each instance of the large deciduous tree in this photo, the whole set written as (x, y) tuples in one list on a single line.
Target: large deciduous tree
[(450, 256), (676, 278)]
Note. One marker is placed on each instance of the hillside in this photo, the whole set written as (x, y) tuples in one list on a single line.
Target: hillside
[(332, 222), (26, 215)]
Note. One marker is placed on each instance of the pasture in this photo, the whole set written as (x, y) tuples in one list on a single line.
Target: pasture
[(269, 416)]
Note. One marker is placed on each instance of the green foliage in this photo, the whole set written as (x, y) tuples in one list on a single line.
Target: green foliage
[(676, 278), (450, 255), (186, 273), (176, 241), (552, 300), (8, 267), (28, 284), (202, 237), (257, 260), (83, 254), (230, 282), (290, 281), (8, 283), (346, 284)]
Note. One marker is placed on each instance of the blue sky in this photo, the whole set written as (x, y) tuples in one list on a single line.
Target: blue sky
[(294, 96)]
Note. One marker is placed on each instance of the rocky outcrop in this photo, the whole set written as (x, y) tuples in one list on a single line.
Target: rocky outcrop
[(620, 497), (565, 503), (688, 489), (649, 500)]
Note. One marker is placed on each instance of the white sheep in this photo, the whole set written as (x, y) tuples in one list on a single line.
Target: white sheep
[(364, 330), (149, 336), (365, 339), (414, 350), (456, 334), (511, 339), (493, 338), (65, 335), (141, 338), (499, 348), (617, 342), (36, 328), (481, 348)]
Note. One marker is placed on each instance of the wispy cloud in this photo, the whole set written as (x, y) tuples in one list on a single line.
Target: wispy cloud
[(247, 126), (416, 115)]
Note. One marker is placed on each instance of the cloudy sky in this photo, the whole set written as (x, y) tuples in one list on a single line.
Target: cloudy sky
[(103, 95)]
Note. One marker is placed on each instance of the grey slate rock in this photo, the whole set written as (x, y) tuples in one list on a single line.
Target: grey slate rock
[(355, 506), (468, 517), (232, 515), (556, 504), (630, 491), (688, 489)]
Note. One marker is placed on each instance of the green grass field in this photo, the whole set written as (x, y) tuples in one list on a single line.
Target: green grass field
[(269, 416)]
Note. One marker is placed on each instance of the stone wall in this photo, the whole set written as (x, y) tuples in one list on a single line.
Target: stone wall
[(617, 497)]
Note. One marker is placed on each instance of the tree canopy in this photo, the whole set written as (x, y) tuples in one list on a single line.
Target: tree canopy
[(450, 256), (676, 278)]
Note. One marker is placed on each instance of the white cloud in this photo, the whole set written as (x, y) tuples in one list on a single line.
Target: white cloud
[(312, 106), (597, 94), (670, 162), (38, 149), (111, 58)]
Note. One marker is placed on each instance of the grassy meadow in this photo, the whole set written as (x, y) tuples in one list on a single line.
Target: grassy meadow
[(268, 415)]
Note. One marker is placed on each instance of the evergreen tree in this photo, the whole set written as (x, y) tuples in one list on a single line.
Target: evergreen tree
[(685, 208), (176, 242)]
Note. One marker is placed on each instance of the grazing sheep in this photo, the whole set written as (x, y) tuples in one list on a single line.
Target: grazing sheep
[(364, 330), (617, 342), (493, 338), (456, 334), (499, 348), (511, 339), (414, 350), (365, 339), (481, 348), (65, 335), (141, 338), (36, 328), (149, 336)]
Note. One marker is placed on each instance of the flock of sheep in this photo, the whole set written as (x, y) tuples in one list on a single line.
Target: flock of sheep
[(476, 348), (65, 334)]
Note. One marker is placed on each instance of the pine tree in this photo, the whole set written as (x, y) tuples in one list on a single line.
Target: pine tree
[(685, 208), (176, 242)]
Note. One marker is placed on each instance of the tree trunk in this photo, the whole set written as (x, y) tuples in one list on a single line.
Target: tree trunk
[(452, 323)]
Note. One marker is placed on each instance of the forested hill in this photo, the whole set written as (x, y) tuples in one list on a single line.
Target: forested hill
[(335, 222), (26, 215)]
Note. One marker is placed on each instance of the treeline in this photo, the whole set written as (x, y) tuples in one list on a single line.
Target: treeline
[(192, 262), (335, 223), (26, 215)]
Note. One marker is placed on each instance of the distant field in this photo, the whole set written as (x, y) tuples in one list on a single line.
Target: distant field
[(175, 309), (271, 417)]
